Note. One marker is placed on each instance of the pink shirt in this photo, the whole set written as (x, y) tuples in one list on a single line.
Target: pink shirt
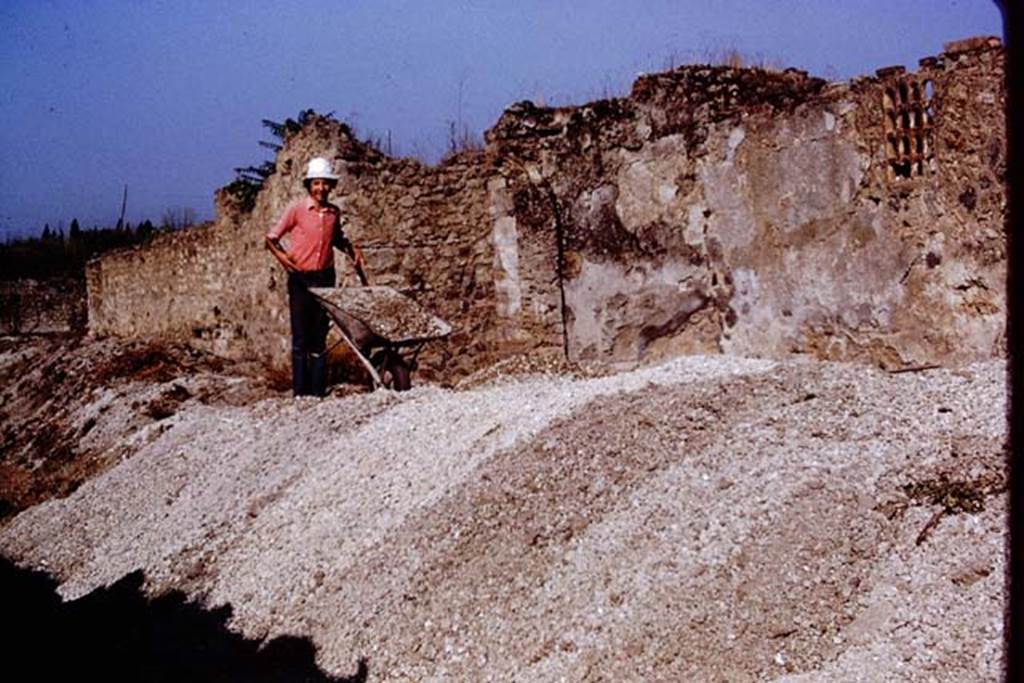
[(311, 230)]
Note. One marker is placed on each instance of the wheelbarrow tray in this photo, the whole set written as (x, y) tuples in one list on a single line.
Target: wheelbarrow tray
[(386, 312)]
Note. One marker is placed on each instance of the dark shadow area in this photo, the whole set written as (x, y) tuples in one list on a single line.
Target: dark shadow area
[(117, 633), (1013, 621)]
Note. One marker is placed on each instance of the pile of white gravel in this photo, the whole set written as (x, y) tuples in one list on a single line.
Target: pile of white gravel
[(712, 518)]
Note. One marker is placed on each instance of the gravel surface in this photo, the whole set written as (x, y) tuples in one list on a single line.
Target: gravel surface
[(71, 407), (709, 519)]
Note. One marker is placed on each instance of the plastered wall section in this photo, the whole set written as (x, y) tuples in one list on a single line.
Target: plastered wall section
[(722, 210)]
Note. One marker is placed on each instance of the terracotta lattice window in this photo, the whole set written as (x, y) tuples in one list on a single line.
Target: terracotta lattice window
[(907, 116)]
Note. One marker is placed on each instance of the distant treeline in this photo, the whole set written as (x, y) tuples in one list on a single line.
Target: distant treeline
[(54, 254)]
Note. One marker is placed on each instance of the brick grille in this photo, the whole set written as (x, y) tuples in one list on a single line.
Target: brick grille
[(907, 118)]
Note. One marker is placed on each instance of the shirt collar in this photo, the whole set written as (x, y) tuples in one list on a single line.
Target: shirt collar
[(311, 204)]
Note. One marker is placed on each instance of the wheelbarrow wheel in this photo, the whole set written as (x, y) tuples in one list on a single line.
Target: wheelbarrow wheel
[(394, 371)]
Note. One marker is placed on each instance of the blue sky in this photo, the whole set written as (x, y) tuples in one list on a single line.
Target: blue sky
[(167, 96)]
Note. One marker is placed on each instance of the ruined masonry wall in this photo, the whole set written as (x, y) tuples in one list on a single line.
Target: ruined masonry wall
[(425, 231), (42, 306), (713, 210), (769, 213)]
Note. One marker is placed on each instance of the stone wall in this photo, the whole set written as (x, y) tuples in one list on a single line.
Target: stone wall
[(425, 231), (713, 210), (760, 213), (42, 306)]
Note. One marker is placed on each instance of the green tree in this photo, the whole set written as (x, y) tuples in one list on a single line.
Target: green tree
[(249, 179), (145, 230)]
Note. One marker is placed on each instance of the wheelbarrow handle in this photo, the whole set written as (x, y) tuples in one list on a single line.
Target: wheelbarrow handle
[(377, 382)]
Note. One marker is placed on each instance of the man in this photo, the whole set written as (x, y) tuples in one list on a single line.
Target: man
[(313, 226)]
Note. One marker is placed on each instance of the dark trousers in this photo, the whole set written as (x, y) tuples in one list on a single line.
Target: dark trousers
[(309, 332)]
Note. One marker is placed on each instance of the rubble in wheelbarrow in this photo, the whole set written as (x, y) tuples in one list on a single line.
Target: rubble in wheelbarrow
[(387, 312)]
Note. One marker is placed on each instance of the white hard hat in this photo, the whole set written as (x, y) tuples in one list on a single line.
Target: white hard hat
[(319, 168)]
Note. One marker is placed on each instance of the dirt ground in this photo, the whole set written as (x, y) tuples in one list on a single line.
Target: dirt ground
[(68, 403), (709, 519)]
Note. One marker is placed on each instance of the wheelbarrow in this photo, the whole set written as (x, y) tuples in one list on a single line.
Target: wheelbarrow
[(385, 329)]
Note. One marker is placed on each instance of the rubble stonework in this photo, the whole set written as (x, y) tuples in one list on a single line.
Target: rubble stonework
[(31, 306), (714, 209)]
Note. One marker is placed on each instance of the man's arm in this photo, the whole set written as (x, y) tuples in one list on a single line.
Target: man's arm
[(360, 263), (273, 240), (355, 253), (275, 248)]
